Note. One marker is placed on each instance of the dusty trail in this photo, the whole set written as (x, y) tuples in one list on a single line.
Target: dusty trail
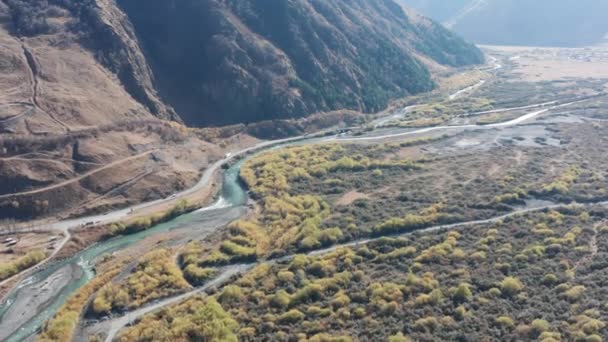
[(81, 177), (457, 94), (66, 238)]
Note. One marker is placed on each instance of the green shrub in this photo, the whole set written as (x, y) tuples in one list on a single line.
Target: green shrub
[(291, 316), (462, 293), (237, 250), (231, 294), (340, 300), (460, 312), (505, 322), (550, 279), (593, 338), (494, 292), (574, 293), (286, 276), (315, 311), (511, 286), (539, 326), (428, 324), (198, 275), (432, 298), (310, 293), (328, 338), (280, 300)]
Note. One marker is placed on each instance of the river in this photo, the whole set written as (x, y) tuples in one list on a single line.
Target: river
[(38, 297)]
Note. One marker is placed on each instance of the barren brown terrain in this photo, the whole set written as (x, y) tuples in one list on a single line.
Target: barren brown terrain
[(72, 138)]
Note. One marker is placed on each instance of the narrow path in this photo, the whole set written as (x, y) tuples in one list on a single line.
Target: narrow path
[(457, 94), (50, 160), (118, 323), (117, 189), (47, 157), (81, 177)]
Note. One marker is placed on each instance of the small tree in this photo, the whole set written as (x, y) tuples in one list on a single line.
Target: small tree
[(462, 293)]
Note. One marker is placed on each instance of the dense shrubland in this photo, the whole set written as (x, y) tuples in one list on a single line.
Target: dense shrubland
[(288, 219), (299, 190), (198, 319), (527, 277), (155, 276), (437, 113)]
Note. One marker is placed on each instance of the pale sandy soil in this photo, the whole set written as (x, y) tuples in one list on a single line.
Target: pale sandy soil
[(536, 64), (350, 197), (43, 241)]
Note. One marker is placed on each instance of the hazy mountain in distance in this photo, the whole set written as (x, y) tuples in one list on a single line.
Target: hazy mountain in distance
[(521, 22)]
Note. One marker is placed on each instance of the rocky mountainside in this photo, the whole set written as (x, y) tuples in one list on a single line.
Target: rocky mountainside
[(563, 23), (232, 61), (227, 61)]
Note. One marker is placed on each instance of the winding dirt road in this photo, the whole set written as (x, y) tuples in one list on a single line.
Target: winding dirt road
[(81, 177)]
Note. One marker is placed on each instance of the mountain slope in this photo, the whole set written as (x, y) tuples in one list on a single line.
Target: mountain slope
[(521, 22), (221, 62)]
